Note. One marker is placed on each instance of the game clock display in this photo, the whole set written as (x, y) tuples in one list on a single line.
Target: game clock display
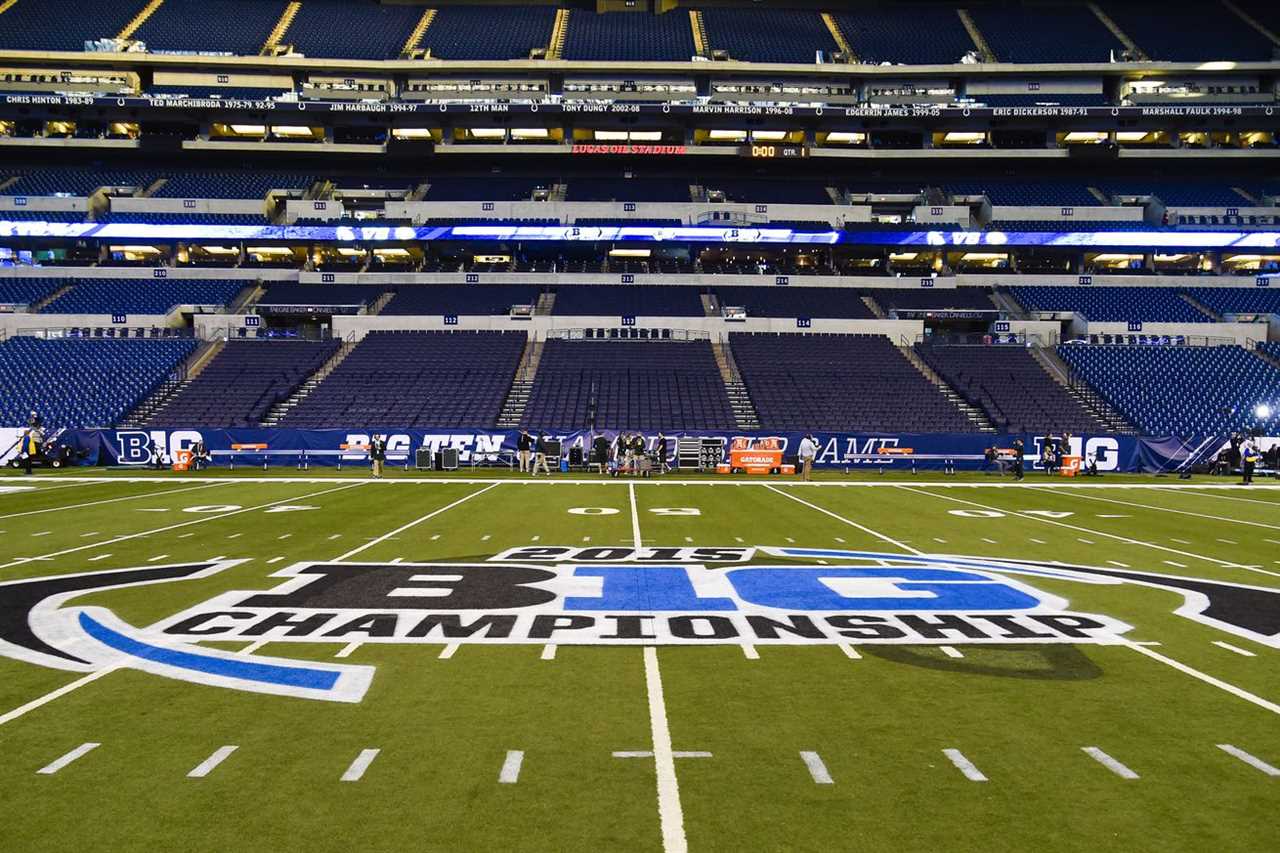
[(774, 151)]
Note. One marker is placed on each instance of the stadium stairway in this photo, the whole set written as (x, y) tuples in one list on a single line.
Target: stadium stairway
[(39, 305), (979, 40), (1200, 306), (1117, 32), (1083, 394), (975, 415), (277, 412), (1009, 305), (559, 32), (188, 370), (710, 305), (744, 411), (546, 304), (412, 43), (378, 304), (1251, 21), (517, 399), (843, 43), (874, 307), (139, 19), (270, 46), (699, 27)]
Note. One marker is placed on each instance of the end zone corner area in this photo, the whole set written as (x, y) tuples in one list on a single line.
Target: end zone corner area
[(325, 663)]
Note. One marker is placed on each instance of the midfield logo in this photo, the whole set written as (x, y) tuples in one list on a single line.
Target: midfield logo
[(593, 596)]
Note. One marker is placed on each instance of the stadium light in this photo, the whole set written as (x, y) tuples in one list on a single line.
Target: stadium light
[(1262, 411)]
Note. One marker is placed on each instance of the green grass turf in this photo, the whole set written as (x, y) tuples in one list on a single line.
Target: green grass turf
[(880, 722)]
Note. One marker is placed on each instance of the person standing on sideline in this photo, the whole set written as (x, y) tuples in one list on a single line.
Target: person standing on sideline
[(1249, 458), (1018, 460), (377, 455), (524, 450), (662, 453), (540, 456), (808, 450)]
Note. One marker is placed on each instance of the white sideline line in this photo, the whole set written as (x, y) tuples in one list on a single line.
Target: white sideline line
[(448, 651), (549, 651), (635, 516), (964, 765), (1108, 762), (850, 652), (53, 694), (1243, 652), (951, 651), (107, 501), (817, 769), (1207, 679), (510, 773), (749, 652), (204, 768), (80, 751), (414, 523), (670, 814), (345, 651), (1183, 512), (356, 771), (827, 512), (1117, 537), (202, 520), (1251, 760)]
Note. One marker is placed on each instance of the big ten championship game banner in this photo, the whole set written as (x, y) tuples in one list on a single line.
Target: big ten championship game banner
[(141, 448)]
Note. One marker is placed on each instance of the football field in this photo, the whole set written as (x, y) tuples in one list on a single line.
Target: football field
[(330, 663)]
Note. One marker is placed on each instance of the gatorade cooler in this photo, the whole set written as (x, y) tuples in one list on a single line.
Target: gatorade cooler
[(1071, 465), (181, 460)]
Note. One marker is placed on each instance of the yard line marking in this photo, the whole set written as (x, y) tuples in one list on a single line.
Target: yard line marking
[(831, 514), (345, 651), (1207, 679), (83, 535), (484, 538), (939, 541), (839, 538), (690, 539), (850, 651), (1085, 541), (253, 647), (510, 773), (335, 536), (1243, 652), (42, 533), (739, 539), (157, 558), (1172, 563), (951, 651), (1179, 512), (990, 541), (549, 651), (204, 768), (1180, 541), (1229, 541), (1039, 541), (1251, 760), (1274, 541), (54, 694), (532, 539), (274, 560), (435, 537), (202, 520), (284, 536), (1117, 563), (235, 535), (749, 652), (817, 769), (80, 751), (1111, 515), (648, 754), (635, 520), (99, 557), (447, 651), (413, 523), (356, 771), (185, 535), (1115, 536), (1108, 762), (108, 500), (670, 813), (964, 765), (788, 538)]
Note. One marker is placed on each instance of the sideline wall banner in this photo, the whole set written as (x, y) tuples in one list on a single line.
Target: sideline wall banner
[(1114, 453)]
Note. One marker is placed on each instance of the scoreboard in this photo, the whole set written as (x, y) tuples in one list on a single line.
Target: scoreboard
[(774, 151)]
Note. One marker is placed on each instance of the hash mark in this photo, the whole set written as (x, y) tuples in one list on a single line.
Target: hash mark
[(356, 771), (749, 652), (850, 651), (951, 651), (99, 557), (204, 768), (964, 765), (274, 560), (42, 533), (345, 651), (1172, 563), (1243, 652), (549, 651), (80, 751), (510, 773), (1108, 762), (447, 651), (1251, 760), (157, 557), (817, 769), (1121, 565)]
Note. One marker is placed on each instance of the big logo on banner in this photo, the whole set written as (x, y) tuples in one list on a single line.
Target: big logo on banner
[(597, 596)]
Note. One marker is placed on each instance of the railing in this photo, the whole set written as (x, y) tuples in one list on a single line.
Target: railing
[(985, 339), (629, 333), (1137, 339), (258, 333), (106, 332)]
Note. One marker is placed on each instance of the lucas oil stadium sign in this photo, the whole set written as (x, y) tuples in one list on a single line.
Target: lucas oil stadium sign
[(592, 596)]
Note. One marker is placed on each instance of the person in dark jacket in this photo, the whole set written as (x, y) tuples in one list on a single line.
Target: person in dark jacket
[(540, 456), (1018, 461), (524, 450), (377, 455), (662, 453)]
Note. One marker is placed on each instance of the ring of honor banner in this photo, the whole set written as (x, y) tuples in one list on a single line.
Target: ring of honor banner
[(905, 451)]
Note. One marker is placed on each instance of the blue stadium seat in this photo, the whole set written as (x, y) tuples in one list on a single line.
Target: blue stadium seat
[(1045, 34), (629, 37), (238, 27), (344, 30), (141, 296), (768, 35), (63, 24), (488, 32), (1112, 304), (915, 35), (1191, 32)]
